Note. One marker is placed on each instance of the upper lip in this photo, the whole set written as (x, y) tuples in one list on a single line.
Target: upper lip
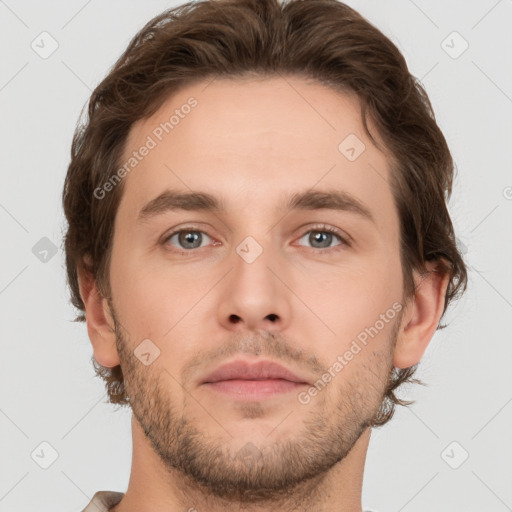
[(260, 370)]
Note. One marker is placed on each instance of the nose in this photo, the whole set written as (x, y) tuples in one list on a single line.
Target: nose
[(253, 294)]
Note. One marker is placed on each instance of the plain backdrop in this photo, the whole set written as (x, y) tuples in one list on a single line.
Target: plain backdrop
[(451, 451)]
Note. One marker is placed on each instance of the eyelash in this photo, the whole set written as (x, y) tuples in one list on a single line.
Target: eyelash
[(321, 228)]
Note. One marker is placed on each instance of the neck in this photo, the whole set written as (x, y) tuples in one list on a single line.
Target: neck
[(154, 487)]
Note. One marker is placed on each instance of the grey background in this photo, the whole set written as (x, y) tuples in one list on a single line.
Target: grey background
[(47, 384)]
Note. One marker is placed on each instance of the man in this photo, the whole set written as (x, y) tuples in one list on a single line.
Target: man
[(259, 239)]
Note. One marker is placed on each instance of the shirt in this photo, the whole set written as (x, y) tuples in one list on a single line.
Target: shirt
[(103, 500)]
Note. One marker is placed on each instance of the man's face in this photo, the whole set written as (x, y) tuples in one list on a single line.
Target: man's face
[(291, 292)]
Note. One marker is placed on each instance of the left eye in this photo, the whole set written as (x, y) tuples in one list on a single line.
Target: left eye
[(322, 237)]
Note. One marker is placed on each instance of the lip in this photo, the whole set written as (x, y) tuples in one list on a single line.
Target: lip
[(241, 370), (239, 389)]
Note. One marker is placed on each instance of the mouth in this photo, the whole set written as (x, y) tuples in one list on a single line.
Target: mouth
[(253, 389), (246, 381)]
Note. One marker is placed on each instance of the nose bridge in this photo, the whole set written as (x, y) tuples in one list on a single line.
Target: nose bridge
[(251, 259), (255, 247)]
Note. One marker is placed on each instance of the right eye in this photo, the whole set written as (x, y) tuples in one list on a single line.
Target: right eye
[(188, 239)]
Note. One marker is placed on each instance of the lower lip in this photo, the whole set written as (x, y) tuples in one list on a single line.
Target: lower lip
[(254, 389)]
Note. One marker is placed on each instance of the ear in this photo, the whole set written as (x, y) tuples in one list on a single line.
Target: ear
[(421, 317), (100, 324)]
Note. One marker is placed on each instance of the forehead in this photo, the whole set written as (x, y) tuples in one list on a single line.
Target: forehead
[(251, 140)]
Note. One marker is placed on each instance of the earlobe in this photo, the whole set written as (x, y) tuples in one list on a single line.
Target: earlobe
[(422, 316), (100, 324)]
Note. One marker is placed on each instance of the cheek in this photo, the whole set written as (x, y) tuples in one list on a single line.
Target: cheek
[(358, 305), (161, 302), (143, 302), (354, 295)]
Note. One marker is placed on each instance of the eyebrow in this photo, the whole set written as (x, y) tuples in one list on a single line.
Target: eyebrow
[(173, 200)]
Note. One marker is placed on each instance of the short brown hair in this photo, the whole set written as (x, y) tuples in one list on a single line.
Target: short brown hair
[(323, 40)]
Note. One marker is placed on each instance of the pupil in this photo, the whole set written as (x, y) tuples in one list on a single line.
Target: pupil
[(189, 237), (326, 236)]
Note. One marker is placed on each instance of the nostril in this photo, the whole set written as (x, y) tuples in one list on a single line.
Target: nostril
[(234, 318), (272, 317)]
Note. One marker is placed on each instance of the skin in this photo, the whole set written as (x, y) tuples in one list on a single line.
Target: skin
[(253, 142)]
